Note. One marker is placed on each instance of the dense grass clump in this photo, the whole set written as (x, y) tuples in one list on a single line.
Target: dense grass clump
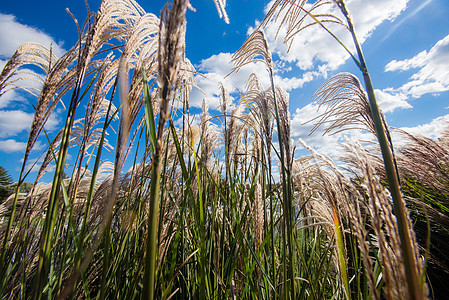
[(212, 209)]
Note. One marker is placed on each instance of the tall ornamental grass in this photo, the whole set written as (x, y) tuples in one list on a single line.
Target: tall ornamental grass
[(219, 207)]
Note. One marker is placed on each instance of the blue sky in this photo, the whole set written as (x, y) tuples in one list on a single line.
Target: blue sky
[(406, 44)]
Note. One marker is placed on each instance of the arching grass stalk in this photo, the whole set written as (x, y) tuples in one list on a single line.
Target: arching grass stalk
[(170, 50), (204, 287), (153, 214), (326, 29), (341, 252), (289, 280), (338, 231), (90, 194), (47, 233), (4, 265), (400, 210), (70, 228), (411, 268), (266, 172), (257, 45), (153, 220)]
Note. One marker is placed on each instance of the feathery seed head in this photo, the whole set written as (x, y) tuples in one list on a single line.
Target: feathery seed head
[(225, 98), (295, 16), (256, 44), (170, 53), (346, 105)]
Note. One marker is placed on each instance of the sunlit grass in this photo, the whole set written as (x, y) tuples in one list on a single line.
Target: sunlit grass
[(212, 209)]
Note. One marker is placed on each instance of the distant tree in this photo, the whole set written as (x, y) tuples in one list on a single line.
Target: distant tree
[(5, 184), (25, 187)]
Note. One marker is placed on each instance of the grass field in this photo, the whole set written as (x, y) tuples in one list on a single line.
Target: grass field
[(219, 208)]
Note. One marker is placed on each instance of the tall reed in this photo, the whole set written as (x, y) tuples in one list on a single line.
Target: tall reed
[(410, 260), (171, 42), (200, 213)]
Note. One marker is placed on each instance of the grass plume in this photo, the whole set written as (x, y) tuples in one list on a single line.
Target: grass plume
[(211, 205)]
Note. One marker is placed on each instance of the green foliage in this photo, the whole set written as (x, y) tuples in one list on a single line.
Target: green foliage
[(430, 215), (200, 214), (6, 184)]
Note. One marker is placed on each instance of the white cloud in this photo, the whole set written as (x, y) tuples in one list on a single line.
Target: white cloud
[(433, 73), (389, 100), (13, 34), (300, 123), (311, 47), (9, 97), (367, 15), (407, 64), (11, 145), (329, 144), (216, 68), (432, 130), (213, 70), (301, 126), (30, 82), (309, 51), (294, 82), (13, 122)]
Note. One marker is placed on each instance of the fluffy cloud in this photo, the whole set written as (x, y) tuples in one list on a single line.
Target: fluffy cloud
[(309, 51), (13, 34), (16, 95), (311, 47), (9, 97), (213, 70), (302, 123), (389, 100), (432, 130), (407, 64), (13, 122), (217, 68), (433, 73), (11, 145)]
